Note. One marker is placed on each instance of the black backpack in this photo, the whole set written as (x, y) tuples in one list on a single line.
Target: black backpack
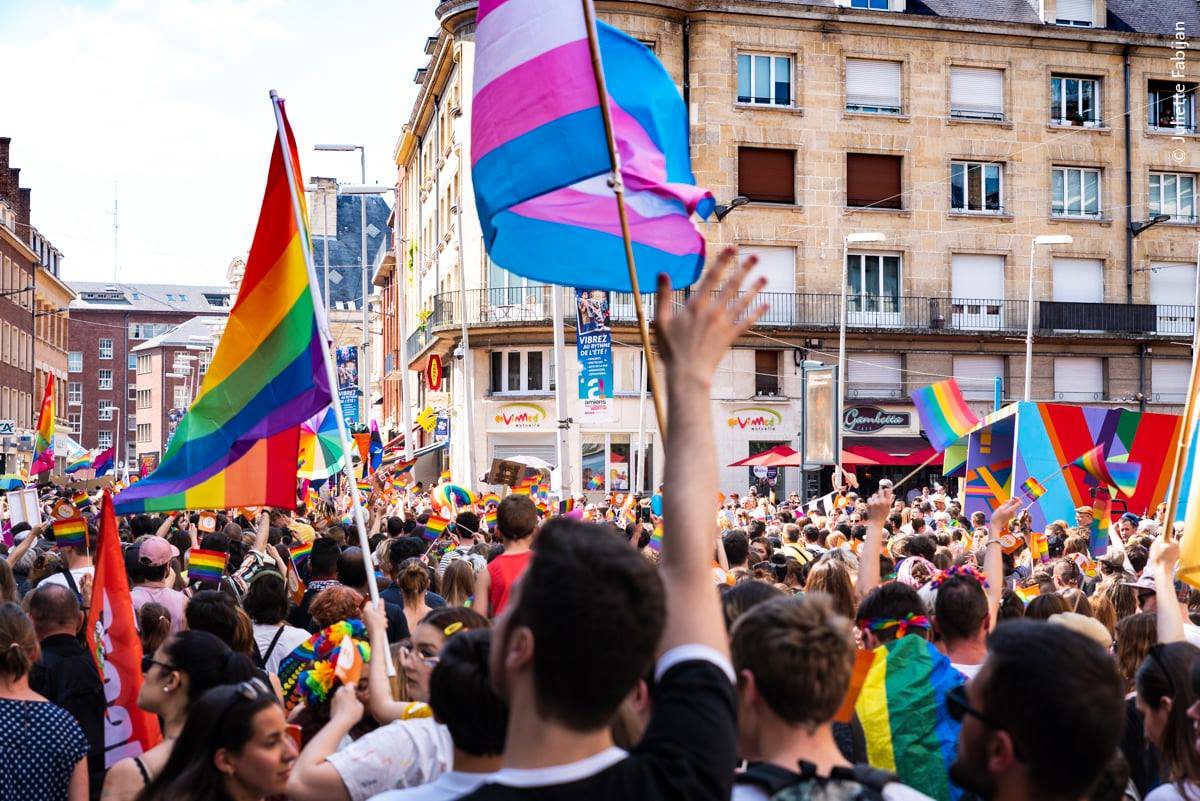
[(857, 783)]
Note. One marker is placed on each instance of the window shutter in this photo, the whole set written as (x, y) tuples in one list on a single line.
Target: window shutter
[(1074, 10), (547, 453), (1079, 281), (976, 375), (977, 91), (1169, 380), (872, 83), (1078, 378), (1172, 284), (977, 277), (873, 375), (767, 174), (873, 180)]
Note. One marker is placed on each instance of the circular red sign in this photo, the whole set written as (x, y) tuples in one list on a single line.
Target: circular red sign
[(433, 373)]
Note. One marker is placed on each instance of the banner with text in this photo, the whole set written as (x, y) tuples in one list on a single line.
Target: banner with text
[(593, 347), (347, 380)]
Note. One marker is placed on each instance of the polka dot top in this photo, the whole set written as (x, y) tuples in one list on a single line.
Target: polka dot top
[(40, 745)]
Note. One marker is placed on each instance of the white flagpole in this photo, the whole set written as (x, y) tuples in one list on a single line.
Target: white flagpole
[(331, 376)]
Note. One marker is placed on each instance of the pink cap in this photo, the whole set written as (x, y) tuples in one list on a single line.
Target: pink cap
[(156, 552)]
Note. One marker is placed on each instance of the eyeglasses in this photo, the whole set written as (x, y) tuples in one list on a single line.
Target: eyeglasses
[(412, 653), (149, 662), (250, 690), (958, 708)]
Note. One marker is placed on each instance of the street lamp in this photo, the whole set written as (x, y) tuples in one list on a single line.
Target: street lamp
[(1137, 228), (850, 239), (325, 235), (722, 211), (1045, 239), (362, 207)]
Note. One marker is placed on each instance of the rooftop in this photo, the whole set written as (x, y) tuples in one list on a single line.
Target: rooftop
[(151, 297), (200, 332)]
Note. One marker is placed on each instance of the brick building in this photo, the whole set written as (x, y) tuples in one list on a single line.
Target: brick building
[(956, 130), (52, 299), (108, 320), (18, 263)]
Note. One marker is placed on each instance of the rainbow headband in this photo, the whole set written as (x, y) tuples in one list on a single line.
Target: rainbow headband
[(958, 571), (909, 621)]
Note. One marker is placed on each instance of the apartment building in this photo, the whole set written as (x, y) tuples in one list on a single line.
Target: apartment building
[(52, 300), (917, 149), (18, 263)]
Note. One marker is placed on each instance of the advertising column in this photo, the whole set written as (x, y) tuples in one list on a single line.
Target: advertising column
[(593, 345)]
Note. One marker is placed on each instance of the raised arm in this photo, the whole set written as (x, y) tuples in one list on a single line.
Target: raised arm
[(692, 342), (23, 547), (868, 561), (1164, 554), (993, 556)]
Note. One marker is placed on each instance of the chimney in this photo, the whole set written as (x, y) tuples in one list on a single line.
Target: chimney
[(322, 207)]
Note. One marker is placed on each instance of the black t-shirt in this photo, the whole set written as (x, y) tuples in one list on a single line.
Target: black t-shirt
[(66, 675), (689, 750)]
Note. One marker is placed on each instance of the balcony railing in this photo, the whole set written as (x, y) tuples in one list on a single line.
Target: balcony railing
[(788, 310)]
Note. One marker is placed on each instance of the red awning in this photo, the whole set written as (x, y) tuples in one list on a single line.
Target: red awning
[(892, 450)]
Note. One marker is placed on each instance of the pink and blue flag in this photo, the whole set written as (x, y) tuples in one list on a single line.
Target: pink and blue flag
[(103, 461), (540, 157)]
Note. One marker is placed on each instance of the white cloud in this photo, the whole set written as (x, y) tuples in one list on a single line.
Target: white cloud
[(170, 99)]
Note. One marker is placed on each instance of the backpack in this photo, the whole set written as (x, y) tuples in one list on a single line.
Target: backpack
[(857, 783)]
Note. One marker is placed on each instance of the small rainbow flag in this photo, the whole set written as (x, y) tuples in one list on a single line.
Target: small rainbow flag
[(1039, 547), (490, 516), (444, 477), (1101, 520), (81, 500), (565, 506), (206, 566), (596, 482), (364, 486), (401, 467), (1122, 476), (945, 416), (72, 531), (525, 487), (1027, 594), (1033, 488), (300, 553), (435, 527), (656, 539), (631, 514), (81, 461)]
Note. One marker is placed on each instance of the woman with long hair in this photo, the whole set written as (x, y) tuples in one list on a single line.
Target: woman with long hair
[(458, 583), (1133, 639), (831, 577), (154, 624), (234, 746), (44, 751), (1164, 694), (413, 580), (174, 676)]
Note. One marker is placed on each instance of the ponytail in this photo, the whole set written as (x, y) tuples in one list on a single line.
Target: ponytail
[(18, 644)]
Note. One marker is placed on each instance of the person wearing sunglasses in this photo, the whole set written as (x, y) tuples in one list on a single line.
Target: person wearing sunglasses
[(174, 677), (1164, 695), (236, 744), (1041, 719)]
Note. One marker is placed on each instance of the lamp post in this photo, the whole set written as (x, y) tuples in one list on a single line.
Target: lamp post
[(847, 241), (1045, 239), (365, 356), (325, 235)]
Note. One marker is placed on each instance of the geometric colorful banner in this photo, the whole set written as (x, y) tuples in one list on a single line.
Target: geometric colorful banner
[(990, 464)]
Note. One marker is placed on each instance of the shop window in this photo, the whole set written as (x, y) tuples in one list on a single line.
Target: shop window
[(608, 462)]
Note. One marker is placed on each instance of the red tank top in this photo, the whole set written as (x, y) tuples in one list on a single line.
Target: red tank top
[(504, 570)]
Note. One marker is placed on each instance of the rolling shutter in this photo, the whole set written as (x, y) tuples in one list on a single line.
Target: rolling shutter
[(1074, 11), (1078, 280), (873, 375), (976, 375), (1172, 284), (977, 91), (767, 175), (976, 277), (1078, 379), (873, 84), (873, 179), (1169, 380)]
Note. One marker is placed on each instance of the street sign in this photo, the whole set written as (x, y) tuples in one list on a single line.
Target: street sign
[(433, 373)]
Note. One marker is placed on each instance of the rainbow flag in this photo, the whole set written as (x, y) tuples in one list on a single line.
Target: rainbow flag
[(206, 566), (540, 160), (1101, 520), (1121, 476), (656, 539), (565, 506), (1033, 488), (364, 487), (80, 500), (103, 461), (1039, 547), (902, 708), (239, 442), (300, 553), (525, 487), (1027, 594), (401, 467), (596, 482), (81, 461), (43, 445), (435, 527), (489, 517), (945, 416), (444, 476), (72, 531)]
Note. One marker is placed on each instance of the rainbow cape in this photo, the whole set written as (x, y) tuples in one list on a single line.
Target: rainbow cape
[(902, 708), (43, 445), (239, 442), (1121, 476), (944, 414)]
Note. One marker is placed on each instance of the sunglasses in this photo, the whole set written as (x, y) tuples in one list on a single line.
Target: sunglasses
[(958, 707), (149, 662)]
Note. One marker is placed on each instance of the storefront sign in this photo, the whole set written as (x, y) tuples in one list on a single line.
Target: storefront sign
[(433, 373), (755, 418), (820, 415), (520, 416), (8, 427), (441, 430), (869, 419), (593, 348), (347, 379)]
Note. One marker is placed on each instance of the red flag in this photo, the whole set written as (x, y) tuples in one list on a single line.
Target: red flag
[(113, 641)]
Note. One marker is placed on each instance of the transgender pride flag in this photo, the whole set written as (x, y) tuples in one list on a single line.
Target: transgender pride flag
[(540, 159)]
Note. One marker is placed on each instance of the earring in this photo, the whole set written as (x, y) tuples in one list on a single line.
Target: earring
[(166, 689)]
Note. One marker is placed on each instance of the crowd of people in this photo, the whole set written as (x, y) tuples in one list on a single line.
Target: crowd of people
[(871, 647)]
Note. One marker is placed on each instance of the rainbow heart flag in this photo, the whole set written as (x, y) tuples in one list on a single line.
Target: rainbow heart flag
[(72, 531), (491, 499), (206, 566), (945, 416), (1121, 476)]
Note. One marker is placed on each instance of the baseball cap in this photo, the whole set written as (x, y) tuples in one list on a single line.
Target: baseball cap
[(156, 552), (1143, 583)]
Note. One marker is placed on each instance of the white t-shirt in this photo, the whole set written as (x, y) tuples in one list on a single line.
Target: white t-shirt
[(446, 787), (404, 753), (1192, 634), (967, 670), (1169, 792), (893, 791), (288, 640), (77, 573)]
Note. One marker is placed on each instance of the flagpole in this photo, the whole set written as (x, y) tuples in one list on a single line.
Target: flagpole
[(1183, 442), (618, 187), (356, 501)]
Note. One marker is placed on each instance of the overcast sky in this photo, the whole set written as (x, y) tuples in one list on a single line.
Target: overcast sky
[(169, 99)]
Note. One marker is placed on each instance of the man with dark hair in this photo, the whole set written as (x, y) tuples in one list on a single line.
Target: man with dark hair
[(737, 548), (395, 526), (516, 522), (793, 658), (65, 672), (960, 613), (587, 621), (352, 572), (466, 530), (1041, 719), (322, 568)]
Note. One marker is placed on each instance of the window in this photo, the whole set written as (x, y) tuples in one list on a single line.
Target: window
[(1074, 101), (778, 266), (1172, 292), (767, 175), (873, 180), (977, 291), (766, 373), (132, 392), (143, 432), (1078, 378), (764, 80), (1078, 281), (514, 371), (1073, 13), (74, 393), (1173, 194), (182, 397), (143, 399), (873, 5), (105, 377), (143, 364), (75, 423), (1076, 192), (132, 364), (976, 93), (1172, 106), (1169, 380), (607, 464), (873, 87), (975, 186), (105, 411), (627, 370), (104, 439), (106, 348), (976, 375), (874, 290), (874, 375), (75, 362)]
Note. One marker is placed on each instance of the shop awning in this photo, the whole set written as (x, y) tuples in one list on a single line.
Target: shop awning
[(892, 450)]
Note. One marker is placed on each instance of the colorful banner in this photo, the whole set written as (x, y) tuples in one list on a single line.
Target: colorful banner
[(347, 380), (593, 347), (989, 465)]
